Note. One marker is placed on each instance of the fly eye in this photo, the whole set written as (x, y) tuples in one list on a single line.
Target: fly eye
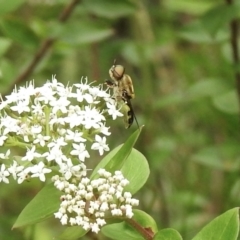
[(118, 71)]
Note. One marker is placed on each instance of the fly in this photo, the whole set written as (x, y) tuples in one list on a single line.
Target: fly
[(123, 92)]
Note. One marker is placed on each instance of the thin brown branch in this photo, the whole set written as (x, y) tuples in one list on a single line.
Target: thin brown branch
[(234, 25), (44, 48)]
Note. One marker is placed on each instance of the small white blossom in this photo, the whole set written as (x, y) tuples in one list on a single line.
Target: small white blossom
[(41, 139), (4, 174), (75, 136), (40, 171), (6, 155), (31, 154), (22, 106), (35, 129), (80, 151), (112, 110), (14, 169), (100, 144), (2, 139)]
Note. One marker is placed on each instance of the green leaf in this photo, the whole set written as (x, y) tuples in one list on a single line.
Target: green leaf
[(188, 7), (224, 227), (145, 220), (168, 234), (82, 32), (110, 9), (4, 45), (195, 32), (224, 156), (120, 231), (71, 233), (136, 170), (125, 230), (219, 16), (19, 32), (131, 162), (206, 88), (10, 5), (116, 158), (41, 207), (227, 102)]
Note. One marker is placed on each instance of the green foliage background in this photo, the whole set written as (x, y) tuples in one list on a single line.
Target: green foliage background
[(179, 55)]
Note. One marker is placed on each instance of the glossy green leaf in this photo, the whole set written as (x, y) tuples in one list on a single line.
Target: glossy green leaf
[(168, 234), (120, 231), (145, 220), (224, 227), (126, 230), (41, 207), (131, 162), (227, 102), (136, 170), (9, 5), (71, 233), (19, 32), (110, 9), (116, 158)]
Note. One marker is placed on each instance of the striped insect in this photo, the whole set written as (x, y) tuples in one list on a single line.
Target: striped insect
[(123, 92)]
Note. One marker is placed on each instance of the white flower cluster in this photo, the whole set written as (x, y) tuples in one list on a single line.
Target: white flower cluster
[(87, 202), (56, 126)]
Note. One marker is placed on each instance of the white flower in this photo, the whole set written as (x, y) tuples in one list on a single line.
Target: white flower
[(92, 118), (80, 151), (95, 228), (60, 104), (100, 221), (68, 169), (104, 130), (10, 124), (22, 106), (23, 175), (4, 174), (75, 136), (35, 129), (37, 109), (41, 139), (6, 155), (31, 154), (100, 145), (112, 111), (2, 139), (81, 96), (40, 171), (55, 154), (59, 142), (14, 169)]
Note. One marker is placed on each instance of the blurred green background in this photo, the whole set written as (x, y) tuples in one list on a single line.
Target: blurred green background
[(179, 55)]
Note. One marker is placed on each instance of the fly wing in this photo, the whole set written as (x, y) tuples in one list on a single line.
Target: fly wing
[(129, 114), (125, 84)]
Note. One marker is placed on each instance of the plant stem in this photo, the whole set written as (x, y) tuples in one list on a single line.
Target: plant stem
[(234, 46)]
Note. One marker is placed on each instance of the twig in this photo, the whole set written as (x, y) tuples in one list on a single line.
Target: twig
[(45, 46), (234, 24)]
